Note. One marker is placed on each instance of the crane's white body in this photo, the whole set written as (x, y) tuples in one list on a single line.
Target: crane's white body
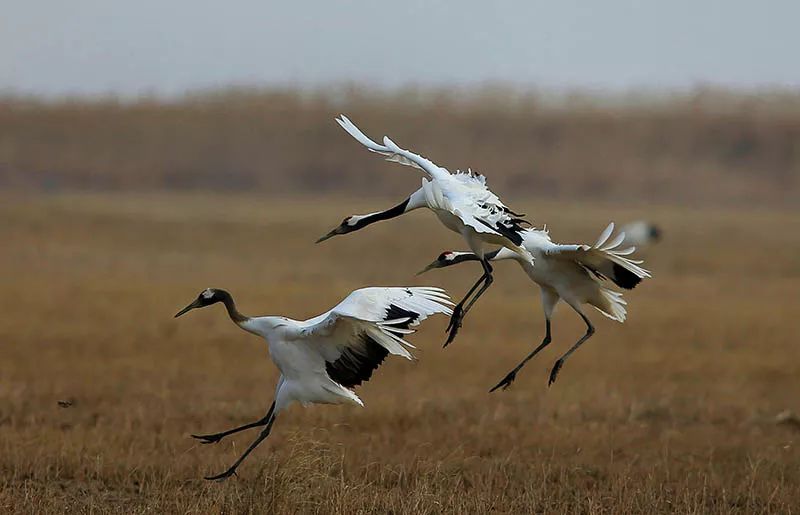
[(302, 348), (574, 272), (461, 201), (476, 241)]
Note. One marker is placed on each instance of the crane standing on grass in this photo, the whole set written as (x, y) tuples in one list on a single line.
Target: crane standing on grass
[(322, 359), (574, 273), (461, 201)]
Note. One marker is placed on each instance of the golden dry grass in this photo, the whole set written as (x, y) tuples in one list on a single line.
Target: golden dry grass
[(672, 412)]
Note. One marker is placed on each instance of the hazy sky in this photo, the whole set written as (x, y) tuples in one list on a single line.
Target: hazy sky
[(167, 46)]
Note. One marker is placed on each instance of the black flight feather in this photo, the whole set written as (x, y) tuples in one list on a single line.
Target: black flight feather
[(356, 364)]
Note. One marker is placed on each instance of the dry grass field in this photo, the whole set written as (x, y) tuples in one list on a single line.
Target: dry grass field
[(675, 411)]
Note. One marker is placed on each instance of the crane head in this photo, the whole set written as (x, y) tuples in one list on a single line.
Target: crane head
[(207, 297), (655, 232), (445, 259), (349, 224)]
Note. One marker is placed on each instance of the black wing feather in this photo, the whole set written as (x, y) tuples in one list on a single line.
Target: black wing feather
[(356, 364), (624, 278), (513, 231)]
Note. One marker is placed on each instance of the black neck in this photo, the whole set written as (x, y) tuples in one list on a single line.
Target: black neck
[(230, 305), (397, 210), (462, 258)]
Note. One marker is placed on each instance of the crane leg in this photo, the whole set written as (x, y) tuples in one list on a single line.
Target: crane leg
[(232, 470), (460, 311), (459, 308), (509, 378), (560, 362), (216, 437)]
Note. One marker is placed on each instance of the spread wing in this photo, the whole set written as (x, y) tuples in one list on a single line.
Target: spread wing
[(604, 259), (356, 336), (392, 151)]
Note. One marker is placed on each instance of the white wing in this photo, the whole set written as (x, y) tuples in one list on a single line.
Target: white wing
[(392, 151), (355, 336), (603, 259)]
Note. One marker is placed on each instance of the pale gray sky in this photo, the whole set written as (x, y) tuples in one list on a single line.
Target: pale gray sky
[(130, 47)]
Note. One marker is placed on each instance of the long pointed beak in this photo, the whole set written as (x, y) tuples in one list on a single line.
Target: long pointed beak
[(329, 235), (190, 307), (429, 267)]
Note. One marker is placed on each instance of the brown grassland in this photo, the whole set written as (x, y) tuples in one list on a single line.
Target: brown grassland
[(674, 411)]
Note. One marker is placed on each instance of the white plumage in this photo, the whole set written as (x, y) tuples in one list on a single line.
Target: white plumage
[(461, 201), (322, 359), (574, 273)]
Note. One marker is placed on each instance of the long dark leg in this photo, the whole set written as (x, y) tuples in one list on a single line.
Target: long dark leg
[(562, 359), (232, 470), (460, 311), (216, 437), (509, 378), (487, 272)]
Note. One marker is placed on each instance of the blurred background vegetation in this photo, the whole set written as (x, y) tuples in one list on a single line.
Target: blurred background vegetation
[(708, 146)]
